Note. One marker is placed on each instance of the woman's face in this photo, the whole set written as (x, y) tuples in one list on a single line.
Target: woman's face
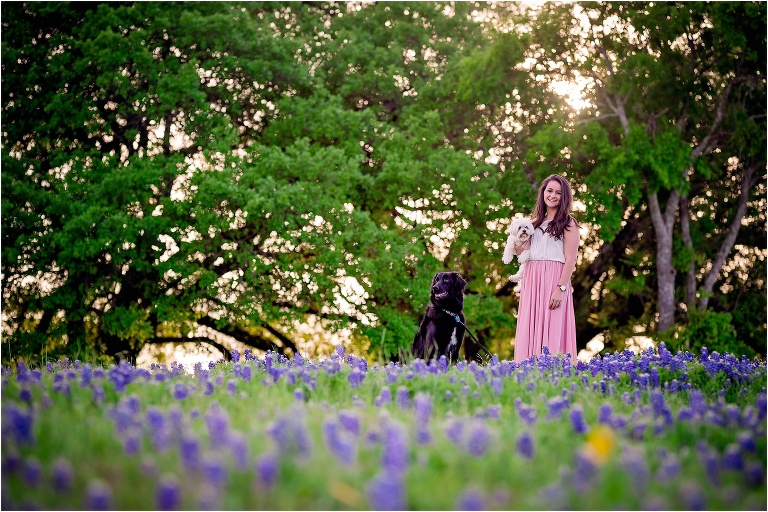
[(553, 194)]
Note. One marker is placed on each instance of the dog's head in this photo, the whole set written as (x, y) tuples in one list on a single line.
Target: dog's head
[(448, 289), (521, 228)]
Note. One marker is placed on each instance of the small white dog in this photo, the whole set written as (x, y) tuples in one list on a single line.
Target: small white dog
[(520, 231)]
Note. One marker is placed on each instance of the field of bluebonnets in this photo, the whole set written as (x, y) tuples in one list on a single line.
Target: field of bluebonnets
[(650, 431)]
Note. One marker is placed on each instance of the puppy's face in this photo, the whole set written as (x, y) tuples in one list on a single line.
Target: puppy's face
[(522, 229), (447, 285)]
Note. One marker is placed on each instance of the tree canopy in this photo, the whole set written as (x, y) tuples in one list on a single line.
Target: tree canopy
[(211, 172)]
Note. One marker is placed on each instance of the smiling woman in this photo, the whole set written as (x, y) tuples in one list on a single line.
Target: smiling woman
[(546, 319)]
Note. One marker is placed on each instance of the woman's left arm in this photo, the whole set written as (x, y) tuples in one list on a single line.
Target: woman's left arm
[(571, 248)]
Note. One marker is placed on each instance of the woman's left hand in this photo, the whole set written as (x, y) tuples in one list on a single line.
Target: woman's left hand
[(556, 299)]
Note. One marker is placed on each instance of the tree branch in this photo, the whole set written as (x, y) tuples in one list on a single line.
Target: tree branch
[(730, 237)]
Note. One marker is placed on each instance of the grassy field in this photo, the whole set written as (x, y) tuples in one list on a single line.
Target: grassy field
[(654, 431)]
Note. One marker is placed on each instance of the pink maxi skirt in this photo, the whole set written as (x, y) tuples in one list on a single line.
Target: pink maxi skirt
[(537, 325)]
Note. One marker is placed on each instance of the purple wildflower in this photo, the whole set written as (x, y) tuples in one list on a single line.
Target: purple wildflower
[(694, 496), (98, 496), (62, 476), (231, 387), (217, 423), (470, 499), (732, 459), (494, 411), (577, 420), (31, 472), (238, 446), (478, 439), (524, 445), (131, 443), (454, 430), (168, 494), (394, 456), (385, 397), (338, 442), (339, 350), (180, 391), (355, 378), (350, 421), (497, 386), (267, 466), (604, 414), (214, 470), (422, 404), (189, 449), (386, 491), (235, 356), (403, 397)]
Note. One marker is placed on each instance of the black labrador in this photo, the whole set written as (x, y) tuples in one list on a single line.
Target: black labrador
[(442, 329)]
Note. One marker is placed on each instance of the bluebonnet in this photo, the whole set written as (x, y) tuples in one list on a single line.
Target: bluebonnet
[(634, 464), (217, 424), (386, 491), (98, 496), (339, 350), (168, 493), (213, 469), (732, 458), (350, 421), (604, 414), (338, 442), (62, 476), (239, 448), (478, 439), (470, 499), (235, 356), (584, 471), (670, 467), (747, 441), (494, 411), (497, 386), (524, 444), (355, 378), (31, 472), (403, 397), (693, 496), (190, 452), (180, 391), (394, 455), (754, 473), (131, 443), (454, 430), (385, 397), (555, 407), (267, 467), (20, 423), (298, 394), (422, 404), (576, 417)]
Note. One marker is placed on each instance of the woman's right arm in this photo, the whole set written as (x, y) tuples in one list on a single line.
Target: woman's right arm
[(522, 247)]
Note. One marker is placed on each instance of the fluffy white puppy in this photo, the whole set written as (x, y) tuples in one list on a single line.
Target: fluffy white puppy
[(520, 231)]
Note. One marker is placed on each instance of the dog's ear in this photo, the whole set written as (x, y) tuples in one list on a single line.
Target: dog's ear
[(459, 281)]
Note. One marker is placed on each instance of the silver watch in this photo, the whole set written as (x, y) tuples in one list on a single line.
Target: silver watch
[(562, 287)]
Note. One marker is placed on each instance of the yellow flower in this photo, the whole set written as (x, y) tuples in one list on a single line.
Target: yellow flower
[(600, 441)]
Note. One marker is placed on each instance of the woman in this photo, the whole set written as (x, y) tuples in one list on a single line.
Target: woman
[(545, 315)]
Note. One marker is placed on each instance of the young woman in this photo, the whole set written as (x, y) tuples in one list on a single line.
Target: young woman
[(545, 316)]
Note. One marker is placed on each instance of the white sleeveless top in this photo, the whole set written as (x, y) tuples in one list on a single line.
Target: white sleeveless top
[(545, 247)]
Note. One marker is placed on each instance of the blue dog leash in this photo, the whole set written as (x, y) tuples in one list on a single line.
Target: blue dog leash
[(458, 320)]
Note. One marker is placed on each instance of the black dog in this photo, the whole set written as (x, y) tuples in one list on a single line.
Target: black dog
[(442, 329)]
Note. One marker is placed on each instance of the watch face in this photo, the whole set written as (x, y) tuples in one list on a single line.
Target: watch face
[(561, 287)]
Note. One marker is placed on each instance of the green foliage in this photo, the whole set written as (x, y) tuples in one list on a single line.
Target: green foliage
[(714, 331), (254, 166)]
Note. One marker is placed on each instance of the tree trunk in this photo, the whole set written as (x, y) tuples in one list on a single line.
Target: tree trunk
[(663, 225)]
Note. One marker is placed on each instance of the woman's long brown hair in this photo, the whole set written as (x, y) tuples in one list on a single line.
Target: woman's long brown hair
[(563, 216)]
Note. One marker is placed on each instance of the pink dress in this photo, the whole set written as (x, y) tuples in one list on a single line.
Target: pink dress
[(537, 325)]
